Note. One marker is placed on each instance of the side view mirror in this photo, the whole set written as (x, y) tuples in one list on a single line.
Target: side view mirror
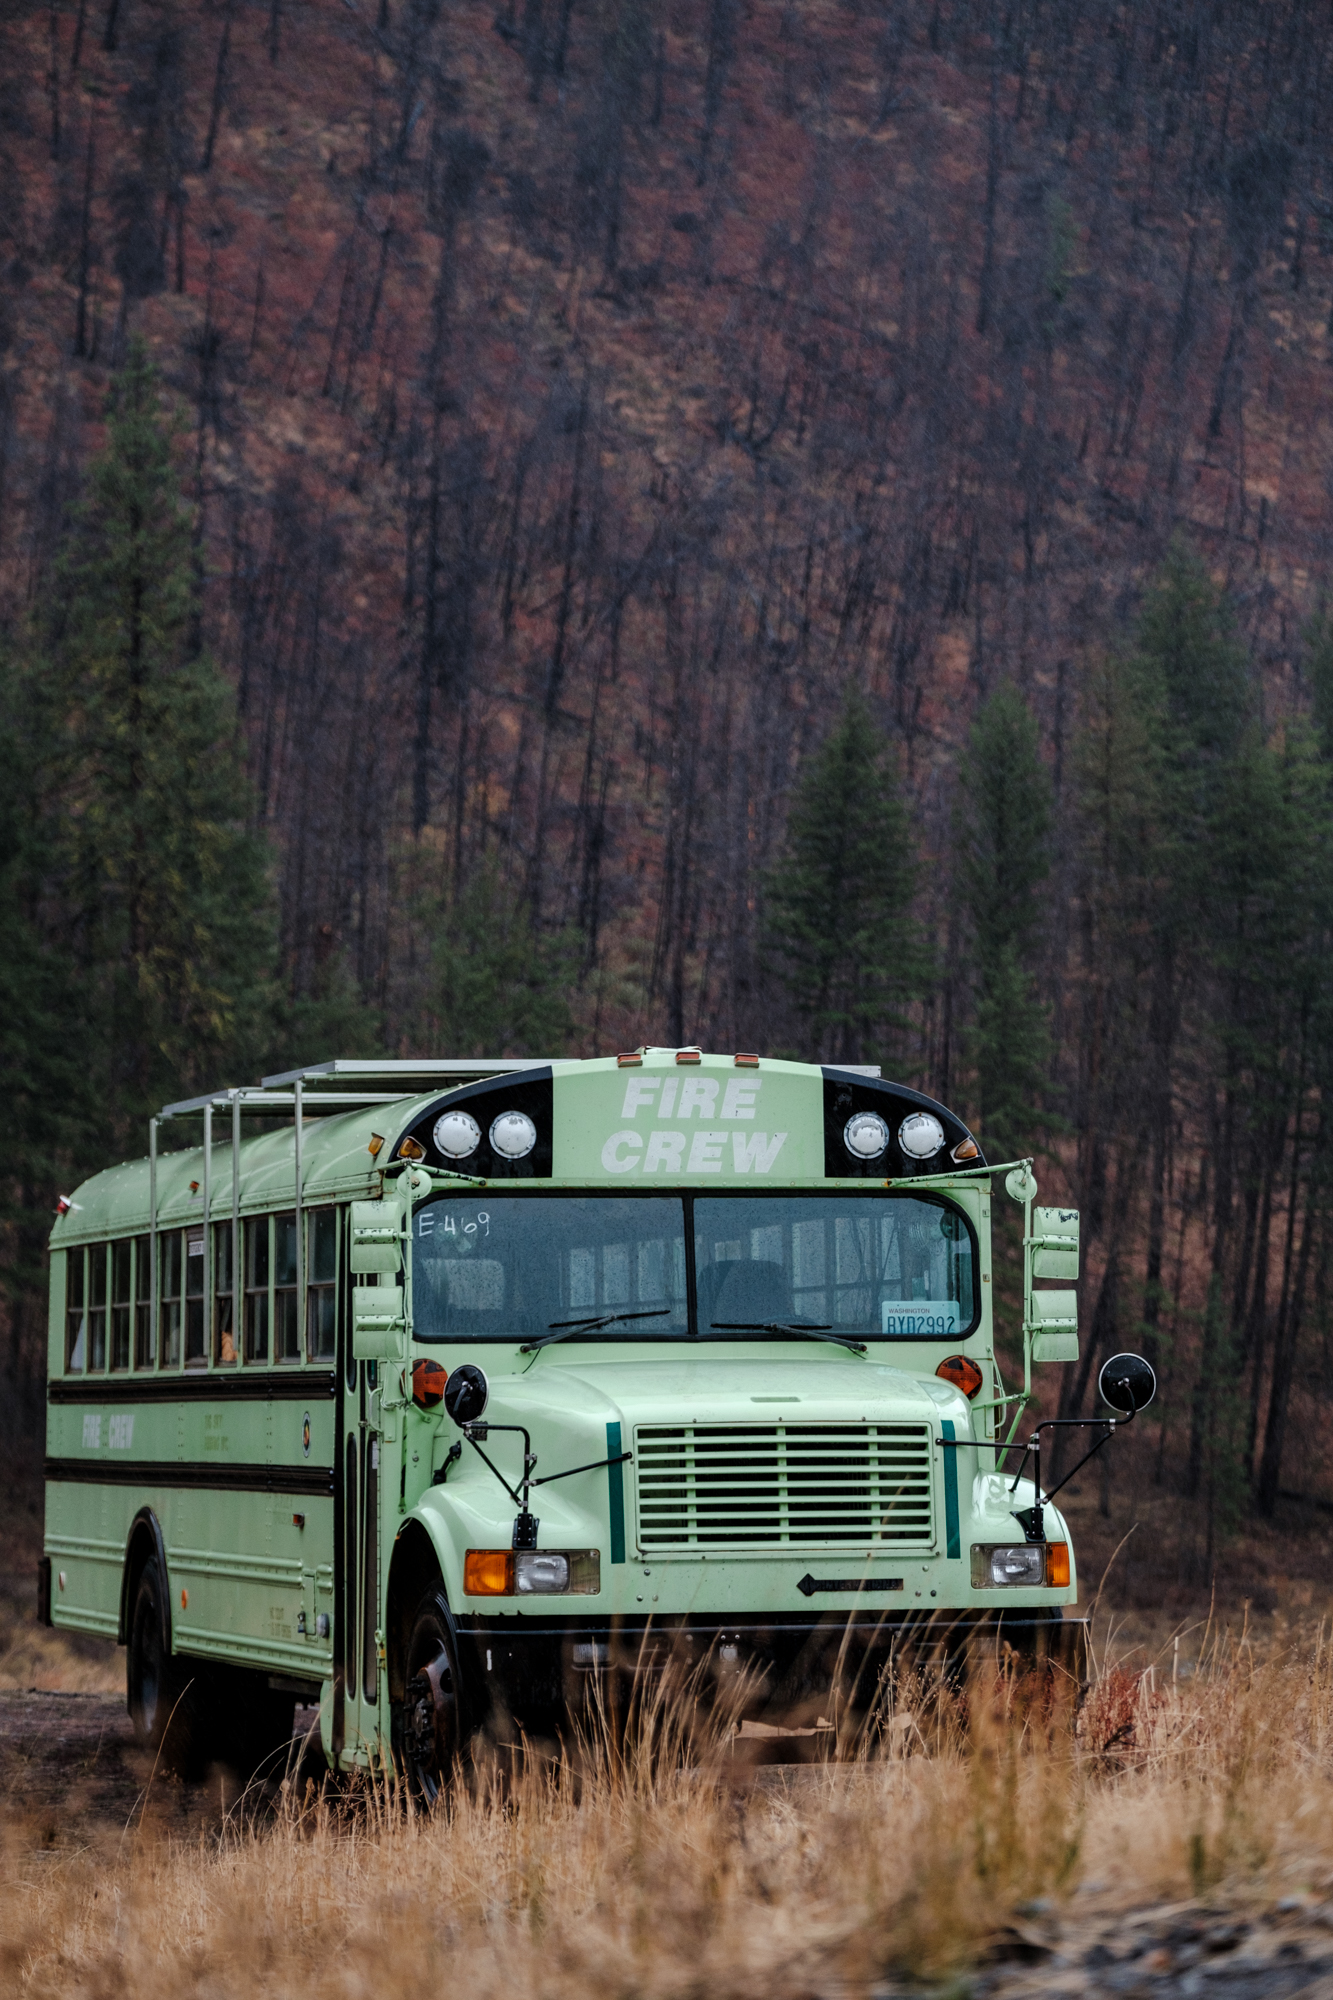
[(466, 1393), (1127, 1383)]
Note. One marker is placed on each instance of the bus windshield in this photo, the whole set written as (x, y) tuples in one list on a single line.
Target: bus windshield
[(505, 1267)]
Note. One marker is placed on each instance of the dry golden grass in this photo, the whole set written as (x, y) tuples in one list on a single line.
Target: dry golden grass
[(674, 1872)]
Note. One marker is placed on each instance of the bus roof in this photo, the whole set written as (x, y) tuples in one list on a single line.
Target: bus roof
[(349, 1105)]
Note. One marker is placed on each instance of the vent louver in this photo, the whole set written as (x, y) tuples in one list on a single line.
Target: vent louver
[(771, 1486)]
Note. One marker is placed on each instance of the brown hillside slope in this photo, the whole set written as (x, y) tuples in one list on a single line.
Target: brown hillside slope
[(577, 393)]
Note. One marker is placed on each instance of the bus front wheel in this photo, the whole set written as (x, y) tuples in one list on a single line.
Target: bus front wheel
[(429, 1725), (156, 1692)]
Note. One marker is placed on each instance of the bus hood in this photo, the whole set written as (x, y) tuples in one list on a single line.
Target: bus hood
[(824, 1387)]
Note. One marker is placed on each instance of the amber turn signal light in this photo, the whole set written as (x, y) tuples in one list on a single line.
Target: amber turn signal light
[(376, 1145), (1057, 1565), (962, 1371), (411, 1149), (966, 1149), (428, 1380), (488, 1573)]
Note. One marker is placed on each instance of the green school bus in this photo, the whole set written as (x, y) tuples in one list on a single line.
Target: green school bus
[(436, 1393)]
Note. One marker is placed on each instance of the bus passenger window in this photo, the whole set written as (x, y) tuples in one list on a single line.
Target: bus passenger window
[(224, 1302), (195, 1356), (76, 1324), (256, 1289), (143, 1302), (97, 1262), (287, 1341), (169, 1296), (120, 1302), (321, 1282)]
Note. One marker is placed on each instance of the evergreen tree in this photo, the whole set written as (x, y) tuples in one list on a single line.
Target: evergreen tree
[(164, 889), (839, 922), (1002, 860), (499, 987)]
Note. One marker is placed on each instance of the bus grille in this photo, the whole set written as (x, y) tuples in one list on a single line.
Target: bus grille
[(761, 1486)]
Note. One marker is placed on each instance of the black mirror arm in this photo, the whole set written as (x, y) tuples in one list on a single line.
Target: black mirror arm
[(1032, 1518), (624, 1458), (483, 1429)]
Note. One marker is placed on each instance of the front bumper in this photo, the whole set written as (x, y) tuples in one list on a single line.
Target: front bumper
[(535, 1669)]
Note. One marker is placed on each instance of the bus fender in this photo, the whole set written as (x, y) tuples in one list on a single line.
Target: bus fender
[(416, 1563), (146, 1535)]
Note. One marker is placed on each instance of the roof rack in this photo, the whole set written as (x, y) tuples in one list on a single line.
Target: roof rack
[(405, 1071), (348, 1084)]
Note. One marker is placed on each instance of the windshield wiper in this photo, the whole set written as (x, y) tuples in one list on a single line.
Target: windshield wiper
[(562, 1328), (810, 1330)]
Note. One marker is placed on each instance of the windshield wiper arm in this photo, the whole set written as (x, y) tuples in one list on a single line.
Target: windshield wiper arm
[(562, 1328), (811, 1332)]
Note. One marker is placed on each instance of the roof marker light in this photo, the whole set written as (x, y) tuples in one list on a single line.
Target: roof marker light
[(456, 1135), (689, 1055), (921, 1136), (747, 1062), (630, 1059), (865, 1135), (513, 1135)]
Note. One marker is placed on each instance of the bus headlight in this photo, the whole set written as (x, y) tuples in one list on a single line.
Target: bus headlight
[(513, 1135), (921, 1136), (532, 1572), (865, 1135), (1025, 1565), (456, 1135)]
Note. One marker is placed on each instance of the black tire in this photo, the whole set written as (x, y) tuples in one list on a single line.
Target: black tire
[(158, 1687), (430, 1721)]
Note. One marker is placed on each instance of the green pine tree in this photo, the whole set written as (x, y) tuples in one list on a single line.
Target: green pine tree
[(165, 889), (499, 986), (839, 925), (1002, 860)]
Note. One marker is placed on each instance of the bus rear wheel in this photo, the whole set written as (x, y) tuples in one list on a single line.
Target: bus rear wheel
[(429, 1732), (156, 1692)]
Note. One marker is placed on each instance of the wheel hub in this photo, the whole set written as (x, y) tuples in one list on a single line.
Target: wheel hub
[(428, 1714)]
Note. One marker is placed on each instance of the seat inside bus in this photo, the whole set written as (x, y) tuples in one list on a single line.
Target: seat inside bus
[(751, 1289)]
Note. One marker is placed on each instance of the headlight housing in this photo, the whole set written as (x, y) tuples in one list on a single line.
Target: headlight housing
[(1020, 1565), (532, 1572), (456, 1135), (513, 1135), (865, 1135)]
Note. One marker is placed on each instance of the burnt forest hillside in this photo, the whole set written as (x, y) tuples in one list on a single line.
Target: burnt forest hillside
[(589, 420)]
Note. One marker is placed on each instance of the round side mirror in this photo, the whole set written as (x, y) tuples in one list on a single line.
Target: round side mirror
[(1127, 1383), (466, 1393)]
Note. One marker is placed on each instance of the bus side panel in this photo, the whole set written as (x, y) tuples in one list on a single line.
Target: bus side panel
[(86, 1529), (244, 1578)]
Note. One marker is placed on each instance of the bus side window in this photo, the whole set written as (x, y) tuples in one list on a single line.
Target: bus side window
[(256, 1288), (143, 1302), (169, 1294), (287, 1336), (194, 1299), (97, 1263), (76, 1324), (321, 1282), (121, 1274), (224, 1301)]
